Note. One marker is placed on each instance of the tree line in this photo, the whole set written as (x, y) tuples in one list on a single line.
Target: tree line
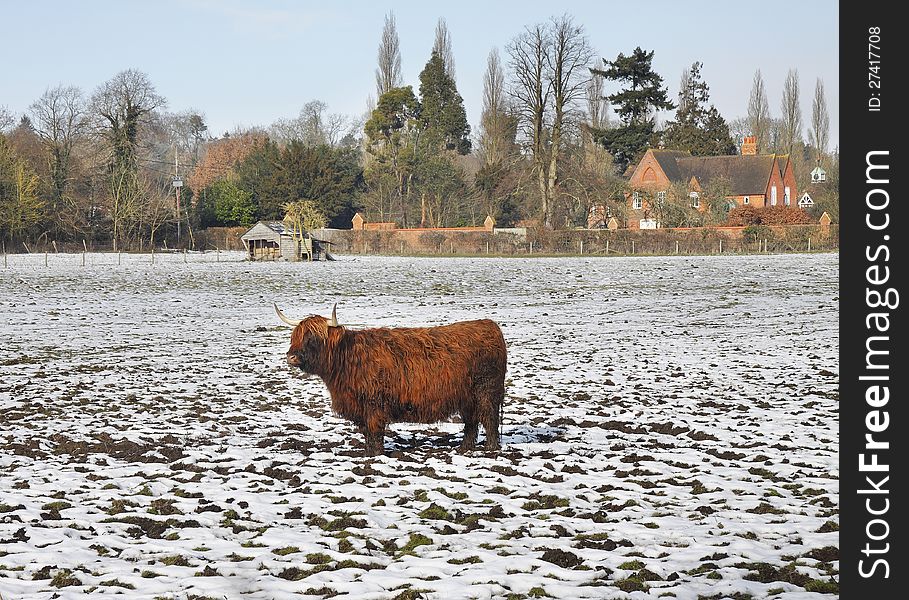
[(559, 127)]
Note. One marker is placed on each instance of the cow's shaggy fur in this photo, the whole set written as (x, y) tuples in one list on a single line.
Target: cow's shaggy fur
[(417, 375)]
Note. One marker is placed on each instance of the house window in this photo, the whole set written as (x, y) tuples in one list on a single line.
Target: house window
[(637, 203), (661, 197), (786, 196), (695, 199), (773, 196), (746, 200)]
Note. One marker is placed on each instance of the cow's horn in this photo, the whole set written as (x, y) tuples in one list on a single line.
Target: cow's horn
[(281, 316), (334, 316)]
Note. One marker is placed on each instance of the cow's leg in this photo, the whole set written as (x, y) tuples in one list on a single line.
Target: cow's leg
[(491, 426), (470, 435), (375, 438), (489, 401)]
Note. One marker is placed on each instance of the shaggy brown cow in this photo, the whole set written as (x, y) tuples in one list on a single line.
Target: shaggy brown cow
[(413, 375)]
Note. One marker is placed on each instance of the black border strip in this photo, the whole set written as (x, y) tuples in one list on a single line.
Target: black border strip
[(868, 255)]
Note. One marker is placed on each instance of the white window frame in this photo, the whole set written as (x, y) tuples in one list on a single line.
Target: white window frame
[(695, 199), (746, 200), (773, 196), (637, 203), (786, 197)]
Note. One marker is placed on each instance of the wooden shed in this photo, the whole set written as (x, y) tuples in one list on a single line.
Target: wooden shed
[(274, 240)]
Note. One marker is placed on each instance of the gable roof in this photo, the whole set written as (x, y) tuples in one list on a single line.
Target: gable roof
[(747, 174), (268, 230), (668, 161)]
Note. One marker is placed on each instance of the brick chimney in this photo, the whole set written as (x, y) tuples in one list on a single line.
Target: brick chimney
[(749, 145)]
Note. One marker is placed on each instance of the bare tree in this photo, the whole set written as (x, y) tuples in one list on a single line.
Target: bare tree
[(759, 113), (597, 104), (531, 90), (122, 105), (187, 131), (549, 64), (820, 122), (684, 91), (568, 70), (388, 73), (314, 126), (738, 129), (791, 112), (494, 121), (6, 119), (442, 45), (59, 120)]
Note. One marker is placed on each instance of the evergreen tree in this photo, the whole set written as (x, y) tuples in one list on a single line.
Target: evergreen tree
[(392, 135), (443, 117), (697, 128), (635, 104), (645, 93)]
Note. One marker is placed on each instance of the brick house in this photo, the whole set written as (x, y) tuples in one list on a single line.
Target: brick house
[(756, 180)]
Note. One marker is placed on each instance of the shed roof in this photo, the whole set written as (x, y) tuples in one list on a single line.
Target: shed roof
[(268, 230)]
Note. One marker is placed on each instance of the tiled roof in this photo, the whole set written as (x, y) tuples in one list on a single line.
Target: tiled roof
[(746, 174), (668, 161)]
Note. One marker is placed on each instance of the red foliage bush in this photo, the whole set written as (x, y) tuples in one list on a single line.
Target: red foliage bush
[(742, 216)]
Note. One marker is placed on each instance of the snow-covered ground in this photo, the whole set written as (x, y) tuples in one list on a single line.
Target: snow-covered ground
[(670, 430)]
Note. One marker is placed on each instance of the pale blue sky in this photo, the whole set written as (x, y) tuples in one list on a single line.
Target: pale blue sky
[(248, 63)]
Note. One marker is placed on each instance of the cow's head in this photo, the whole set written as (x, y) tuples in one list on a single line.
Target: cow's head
[(309, 341)]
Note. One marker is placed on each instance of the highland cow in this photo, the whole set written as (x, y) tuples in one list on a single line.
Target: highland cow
[(406, 375)]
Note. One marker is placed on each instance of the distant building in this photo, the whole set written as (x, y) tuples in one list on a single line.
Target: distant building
[(274, 240), (756, 180), (806, 201), (818, 175)]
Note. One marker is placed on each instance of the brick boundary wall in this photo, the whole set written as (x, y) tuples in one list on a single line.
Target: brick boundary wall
[(702, 240)]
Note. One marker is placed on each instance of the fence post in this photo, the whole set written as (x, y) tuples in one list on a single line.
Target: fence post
[(218, 257), (153, 255), (531, 247), (55, 247), (119, 258), (184, 255), (607, 247), (676, 246), (451, 247), (721, 246), (402, 246), (809, 244), (487, 247), (632, 246), (4, 255), (45, 258), (582, 246)]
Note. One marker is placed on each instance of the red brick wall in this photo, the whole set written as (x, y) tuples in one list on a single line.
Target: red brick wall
[(659, 182), (788, 179)]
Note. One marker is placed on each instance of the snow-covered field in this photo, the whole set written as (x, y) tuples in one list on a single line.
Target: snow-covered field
[(670, 431)]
